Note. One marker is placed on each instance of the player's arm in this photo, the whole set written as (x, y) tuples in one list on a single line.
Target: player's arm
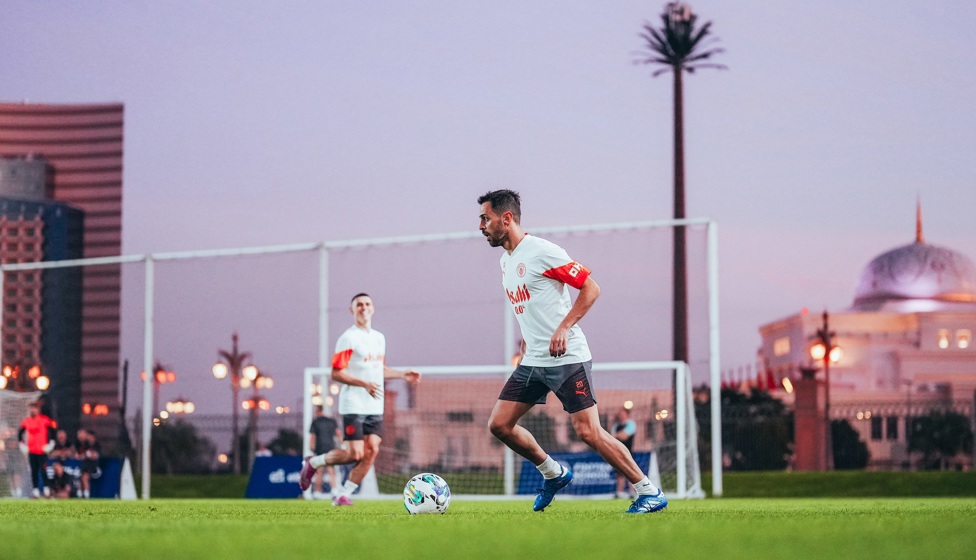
[(588, 293), (340, 361), (412, 376), (341, 376)]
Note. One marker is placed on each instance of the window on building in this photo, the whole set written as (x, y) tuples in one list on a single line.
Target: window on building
[(943, 338), (891, 427), (781, 346), (876, 427), (466, 416), (964, 338)]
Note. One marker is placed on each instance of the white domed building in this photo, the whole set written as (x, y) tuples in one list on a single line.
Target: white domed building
[(905, 346)]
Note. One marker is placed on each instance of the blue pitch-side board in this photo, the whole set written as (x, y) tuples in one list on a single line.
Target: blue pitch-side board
[(591, 474)]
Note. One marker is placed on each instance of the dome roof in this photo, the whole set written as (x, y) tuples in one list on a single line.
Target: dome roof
[(916, 272)]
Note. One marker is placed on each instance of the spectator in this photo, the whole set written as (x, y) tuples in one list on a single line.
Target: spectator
[(88, 451), (63, 447), (60, 483), (40, 441), (322, 439), (262, 451)]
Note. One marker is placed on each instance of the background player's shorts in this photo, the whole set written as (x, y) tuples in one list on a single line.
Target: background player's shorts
[(570, 382), (356, 427)]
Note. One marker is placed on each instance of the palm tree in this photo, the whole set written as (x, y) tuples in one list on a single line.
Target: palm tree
[(679, 47)]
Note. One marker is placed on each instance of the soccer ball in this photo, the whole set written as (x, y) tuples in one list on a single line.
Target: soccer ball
[(426, 493)]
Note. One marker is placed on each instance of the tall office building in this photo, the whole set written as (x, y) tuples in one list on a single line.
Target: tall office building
[(81, 149)]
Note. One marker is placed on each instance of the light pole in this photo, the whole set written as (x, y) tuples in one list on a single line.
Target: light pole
[(233, 363), (828, 352), (253, 405), (160, 377)]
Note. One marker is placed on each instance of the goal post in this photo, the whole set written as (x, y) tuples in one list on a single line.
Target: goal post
[(165, 293), (440, 425), (15, 476)]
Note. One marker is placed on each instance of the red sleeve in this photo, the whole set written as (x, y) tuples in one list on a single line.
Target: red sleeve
[(341, 359), (572, 273)]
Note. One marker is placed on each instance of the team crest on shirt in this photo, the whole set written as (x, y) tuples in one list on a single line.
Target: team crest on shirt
[(520, 269)]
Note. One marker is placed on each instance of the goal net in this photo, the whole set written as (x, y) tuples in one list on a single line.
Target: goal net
[(440, 426), (15, 478), (438, 301)]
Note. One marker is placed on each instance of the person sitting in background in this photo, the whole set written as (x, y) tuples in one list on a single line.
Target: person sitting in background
[(59, 483), (88, 451), (63, 448)]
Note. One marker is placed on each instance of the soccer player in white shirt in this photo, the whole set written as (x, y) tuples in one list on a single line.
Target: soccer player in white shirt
[(359, 365), (554, 353)]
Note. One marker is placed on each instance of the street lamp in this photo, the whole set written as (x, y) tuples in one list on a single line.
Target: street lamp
[(233, 363), (254, 404), (827, 352), (180, 406), (160, 377), (16, 379)]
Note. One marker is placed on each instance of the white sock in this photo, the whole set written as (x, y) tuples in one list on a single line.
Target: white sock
[(317, 462), (348, 487), (646, 487), (550, 468)]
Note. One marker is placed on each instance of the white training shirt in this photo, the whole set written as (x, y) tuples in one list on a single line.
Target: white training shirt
[(535, 277), (362, 354)]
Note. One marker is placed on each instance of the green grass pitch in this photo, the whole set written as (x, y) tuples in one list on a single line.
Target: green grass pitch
[(886, 528)]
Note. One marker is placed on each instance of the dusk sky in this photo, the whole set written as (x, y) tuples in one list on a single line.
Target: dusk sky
[(263, 123)]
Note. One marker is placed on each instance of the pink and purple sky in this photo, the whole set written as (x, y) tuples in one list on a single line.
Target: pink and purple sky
[(256, 123)]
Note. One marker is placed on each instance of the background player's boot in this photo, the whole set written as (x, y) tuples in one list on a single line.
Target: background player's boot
[(549, 489), (306, 474)]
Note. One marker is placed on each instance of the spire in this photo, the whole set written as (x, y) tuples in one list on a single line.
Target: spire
[(919, 238)]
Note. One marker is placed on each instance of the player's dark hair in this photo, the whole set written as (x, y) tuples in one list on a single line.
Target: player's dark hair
[(504, 200), (360, 294)]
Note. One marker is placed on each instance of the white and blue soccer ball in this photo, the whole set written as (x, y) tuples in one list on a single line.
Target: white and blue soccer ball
[(426, 493)]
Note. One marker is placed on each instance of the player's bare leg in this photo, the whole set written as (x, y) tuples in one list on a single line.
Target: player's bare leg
[(586, 423), (351, 452), (503, 424), (366, 450)]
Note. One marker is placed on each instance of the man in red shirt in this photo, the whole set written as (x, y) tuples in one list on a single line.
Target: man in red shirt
[(40, 430)]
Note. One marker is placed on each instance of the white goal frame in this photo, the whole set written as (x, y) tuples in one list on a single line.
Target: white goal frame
[(685, 423), (324, 248)]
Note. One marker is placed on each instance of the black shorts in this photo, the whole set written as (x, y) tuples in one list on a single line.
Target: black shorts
[(571, 384), (356, 427)]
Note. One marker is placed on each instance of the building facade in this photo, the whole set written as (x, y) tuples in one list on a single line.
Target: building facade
[(81, 147), (905, 349)]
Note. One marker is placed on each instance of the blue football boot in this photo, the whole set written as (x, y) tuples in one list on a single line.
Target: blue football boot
[(649, 504), (549, 489)]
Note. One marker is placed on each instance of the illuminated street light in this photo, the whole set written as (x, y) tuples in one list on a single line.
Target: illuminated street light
[(827, 352), (235, 364), (180, 406)]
